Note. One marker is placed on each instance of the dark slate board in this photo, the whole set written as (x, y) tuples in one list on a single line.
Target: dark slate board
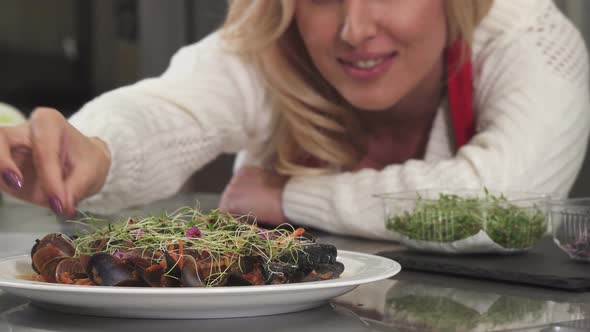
[(544, 265)]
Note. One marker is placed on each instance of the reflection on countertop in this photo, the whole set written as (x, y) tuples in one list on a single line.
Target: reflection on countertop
[(389, 305), (27, 317), (422, 302)]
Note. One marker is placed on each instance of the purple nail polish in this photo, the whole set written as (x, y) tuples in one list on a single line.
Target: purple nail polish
[(56, 206), (12, 180)]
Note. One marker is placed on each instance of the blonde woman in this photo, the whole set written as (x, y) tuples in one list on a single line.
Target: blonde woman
[(328, 102)]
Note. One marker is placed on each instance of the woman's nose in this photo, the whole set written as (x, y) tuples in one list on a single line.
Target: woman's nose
[(359, 25)]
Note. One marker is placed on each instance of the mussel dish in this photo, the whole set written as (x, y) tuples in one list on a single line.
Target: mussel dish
[(187, 248)]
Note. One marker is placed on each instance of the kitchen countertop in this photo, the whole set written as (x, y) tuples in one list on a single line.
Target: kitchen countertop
[(410, 301)]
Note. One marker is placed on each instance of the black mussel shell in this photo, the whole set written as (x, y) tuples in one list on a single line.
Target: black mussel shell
[(107, 270)]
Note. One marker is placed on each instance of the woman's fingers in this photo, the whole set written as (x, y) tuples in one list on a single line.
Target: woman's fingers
[(11, 140), (49, 153), (11, 176), (85, 167), (48, 162), (78, 186)]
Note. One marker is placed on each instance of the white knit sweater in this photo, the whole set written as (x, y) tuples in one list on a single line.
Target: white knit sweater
[(531, 84)]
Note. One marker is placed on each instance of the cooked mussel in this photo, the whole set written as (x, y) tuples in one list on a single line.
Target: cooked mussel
[(140, 257), (325, 272), (49, 268), (51, 246), (282, 273), (199, 272), (152, 275), (189, 274), (246, 271), (69, 270), (311, 255), (146, 264), (304, 264), (43, 256), (56, 240), (107, 270)]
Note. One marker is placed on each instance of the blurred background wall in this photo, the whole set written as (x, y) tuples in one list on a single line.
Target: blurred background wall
[(62, 53)]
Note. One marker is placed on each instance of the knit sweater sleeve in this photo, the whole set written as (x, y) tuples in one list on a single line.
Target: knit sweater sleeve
[(161, 130), (533, 120)]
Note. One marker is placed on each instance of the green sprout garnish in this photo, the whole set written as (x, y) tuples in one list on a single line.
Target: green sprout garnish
[(452, 218), (224, 237)]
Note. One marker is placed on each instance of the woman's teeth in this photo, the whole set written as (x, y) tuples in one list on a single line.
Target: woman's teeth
[(368, 64)]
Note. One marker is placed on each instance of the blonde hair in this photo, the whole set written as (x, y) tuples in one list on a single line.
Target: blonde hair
[(313, 123)]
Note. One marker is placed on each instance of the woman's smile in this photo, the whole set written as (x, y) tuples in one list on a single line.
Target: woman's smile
[(365, 66)]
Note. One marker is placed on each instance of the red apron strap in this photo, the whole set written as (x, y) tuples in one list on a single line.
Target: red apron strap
[(460, 91)]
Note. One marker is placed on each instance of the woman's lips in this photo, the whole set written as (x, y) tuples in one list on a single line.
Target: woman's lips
[(367, 67)]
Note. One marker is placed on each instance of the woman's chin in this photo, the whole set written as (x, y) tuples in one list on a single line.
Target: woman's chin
[(375, 99), (371, 105)]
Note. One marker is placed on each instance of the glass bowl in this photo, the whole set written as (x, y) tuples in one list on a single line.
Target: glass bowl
[(467, 220), (570, 220)]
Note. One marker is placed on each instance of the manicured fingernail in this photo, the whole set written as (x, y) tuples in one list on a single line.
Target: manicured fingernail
[(12, 180), (56, 206)]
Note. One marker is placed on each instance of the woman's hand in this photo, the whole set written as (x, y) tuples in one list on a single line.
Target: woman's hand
[(48, 162), (256, 191)]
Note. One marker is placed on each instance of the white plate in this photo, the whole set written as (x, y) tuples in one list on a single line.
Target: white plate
[(180, 303)]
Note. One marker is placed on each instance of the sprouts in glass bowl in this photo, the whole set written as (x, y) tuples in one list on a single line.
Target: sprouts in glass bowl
[(466, 220)]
